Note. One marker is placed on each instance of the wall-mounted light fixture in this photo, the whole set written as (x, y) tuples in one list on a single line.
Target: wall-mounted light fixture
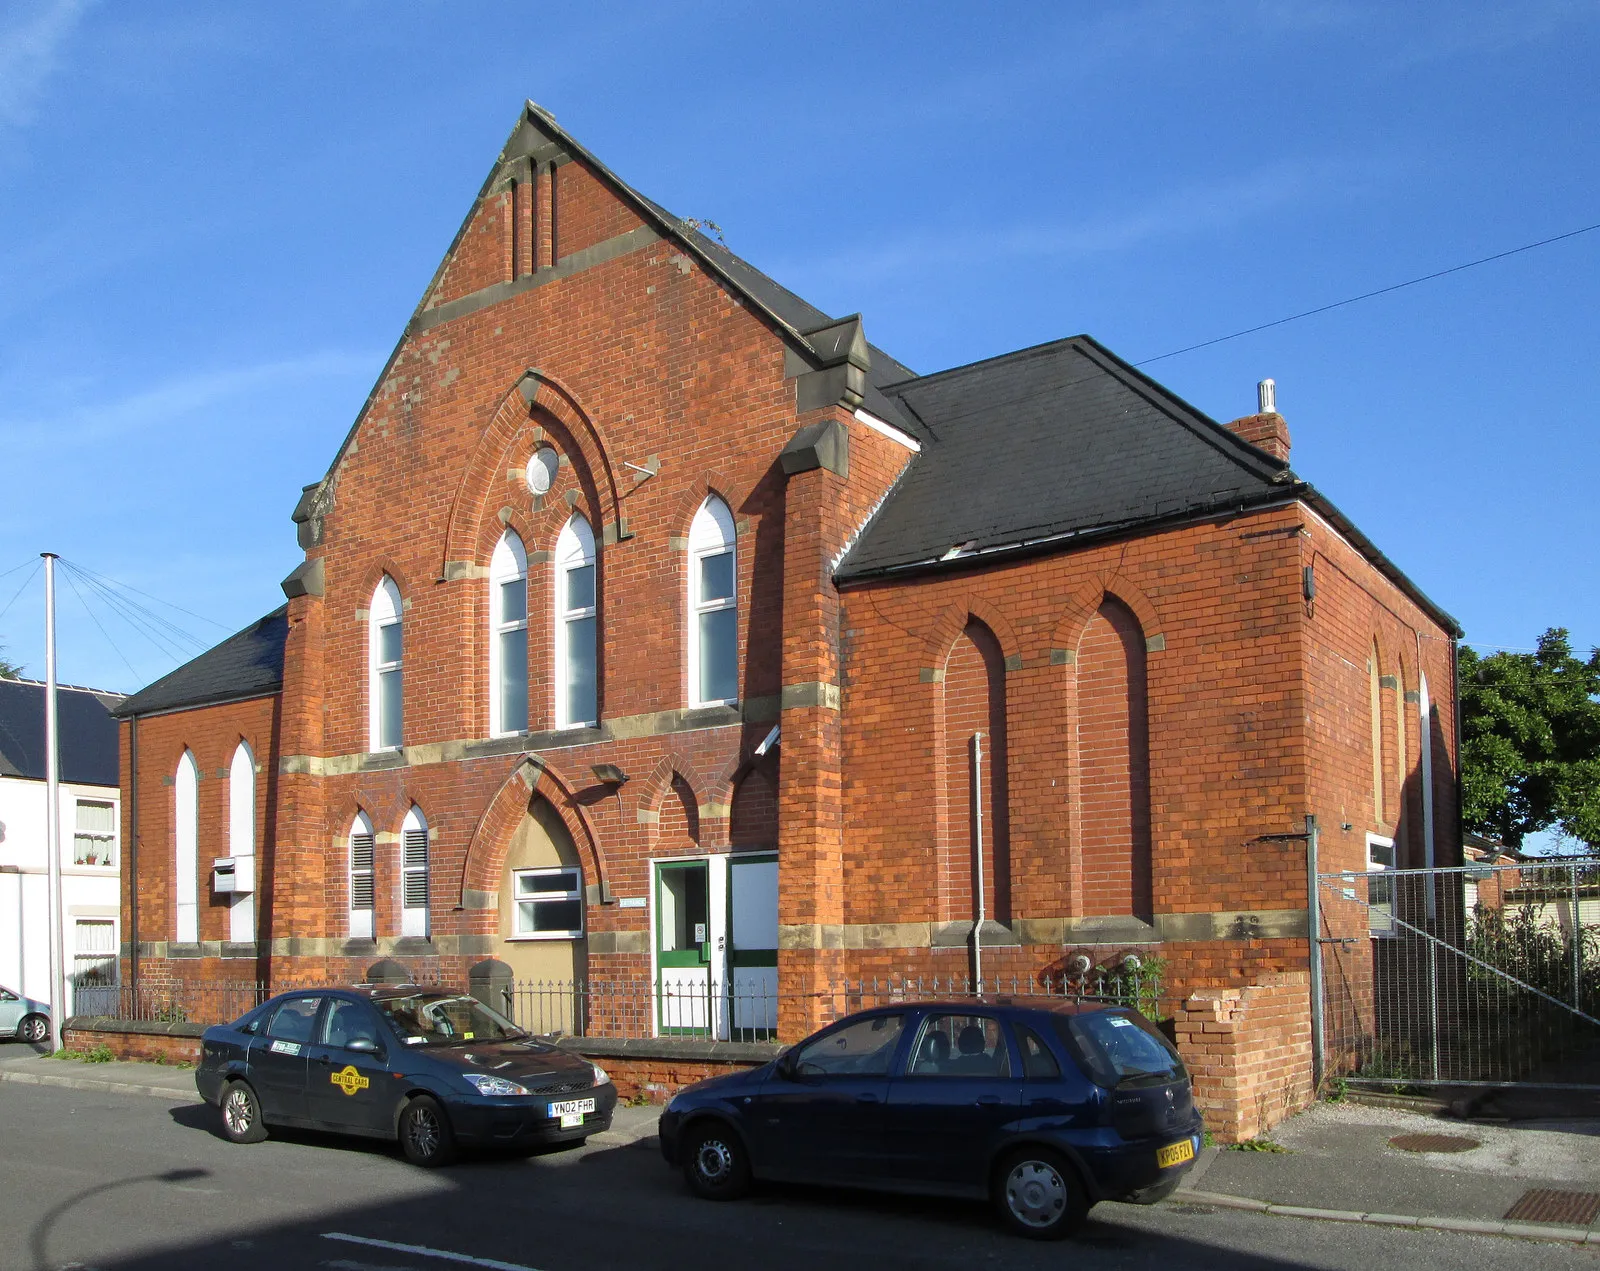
[(609, 774)]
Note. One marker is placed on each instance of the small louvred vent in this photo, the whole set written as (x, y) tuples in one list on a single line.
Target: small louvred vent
[(414, 869)]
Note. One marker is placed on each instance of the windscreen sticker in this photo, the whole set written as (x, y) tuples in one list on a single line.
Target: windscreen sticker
[(467, 1036), (285, 1048), (415, 1041), (1119, 1022), (349, 1080)]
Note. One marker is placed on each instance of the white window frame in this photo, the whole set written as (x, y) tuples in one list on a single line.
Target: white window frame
[(508, 565), (710, 534), (387, 610), (414, 862), (1379, 926), (186, 850), (242, 842), (106, 958), (361, 917), (517, 899), (106, 840), (574, 550)]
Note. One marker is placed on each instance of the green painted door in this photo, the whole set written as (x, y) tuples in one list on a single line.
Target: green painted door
[(683, 948)]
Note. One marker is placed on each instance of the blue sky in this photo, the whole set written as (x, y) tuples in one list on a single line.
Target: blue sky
[(215, 221)]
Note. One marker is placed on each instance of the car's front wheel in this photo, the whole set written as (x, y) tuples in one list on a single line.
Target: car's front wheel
[(425, 1135), (715, 1163), (1038, 1195), (241, 1114), (33, 1028)]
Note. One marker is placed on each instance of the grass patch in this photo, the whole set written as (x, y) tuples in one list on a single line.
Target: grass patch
[(1258, 1145), (99, 1053)]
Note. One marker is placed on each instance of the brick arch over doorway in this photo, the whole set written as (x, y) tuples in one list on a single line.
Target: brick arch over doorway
[(1113, 764)]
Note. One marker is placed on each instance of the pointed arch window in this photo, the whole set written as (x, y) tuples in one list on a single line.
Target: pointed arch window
[(713, 607), (577, 701), (242, 843), (385, 648), (186, 845), (361, 889), (508, 637), (414, 874), (1375, 727)]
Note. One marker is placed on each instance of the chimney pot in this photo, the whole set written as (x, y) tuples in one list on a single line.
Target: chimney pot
[(1267, 398)]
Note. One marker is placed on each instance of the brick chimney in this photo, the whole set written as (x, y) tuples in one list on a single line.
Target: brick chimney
[(1265, 428)]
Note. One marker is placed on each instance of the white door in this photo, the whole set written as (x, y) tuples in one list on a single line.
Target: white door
[(685, 941), (753, 951)]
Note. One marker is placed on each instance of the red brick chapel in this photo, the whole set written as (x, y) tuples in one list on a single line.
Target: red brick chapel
[(656, 627)]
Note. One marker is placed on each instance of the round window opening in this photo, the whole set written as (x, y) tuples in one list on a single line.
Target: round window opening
[(542, 469)]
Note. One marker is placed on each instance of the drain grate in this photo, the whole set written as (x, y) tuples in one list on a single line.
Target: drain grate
[(1577, 1209), (1434, 1143)]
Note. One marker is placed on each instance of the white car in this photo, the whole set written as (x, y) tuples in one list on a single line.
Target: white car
[(22, 1017)]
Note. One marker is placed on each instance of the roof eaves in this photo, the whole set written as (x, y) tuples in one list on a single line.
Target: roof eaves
[(174, 708)]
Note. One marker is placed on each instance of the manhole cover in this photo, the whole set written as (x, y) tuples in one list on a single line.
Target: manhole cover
[(1433, 1143), (1578, 1209)]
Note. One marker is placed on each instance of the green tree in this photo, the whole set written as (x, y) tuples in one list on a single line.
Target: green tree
[(8, 670), (1530, 741)]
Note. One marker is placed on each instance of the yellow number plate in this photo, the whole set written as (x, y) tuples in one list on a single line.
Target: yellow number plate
[(1175, 1153)]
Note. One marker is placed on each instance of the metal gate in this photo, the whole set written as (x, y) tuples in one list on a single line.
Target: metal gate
[(1479, 975)]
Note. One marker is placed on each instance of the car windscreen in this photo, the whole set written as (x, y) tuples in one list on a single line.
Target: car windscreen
[(444, 1019), (1120, 1048)]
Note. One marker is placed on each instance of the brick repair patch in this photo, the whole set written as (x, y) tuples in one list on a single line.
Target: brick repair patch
[(1543, 1204)]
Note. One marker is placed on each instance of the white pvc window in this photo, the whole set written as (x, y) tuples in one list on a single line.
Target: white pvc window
[(1380, 889), (94, 951), (577, 702), (508, 637), (361, 889), (414, 875), (549, 904), (242, 843), (385, 647), (713, 607), (94, 836), (186, 850)]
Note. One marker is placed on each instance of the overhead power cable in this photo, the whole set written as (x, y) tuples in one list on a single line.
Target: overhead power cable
[(1368, 295), (116, 648), (38, 565)]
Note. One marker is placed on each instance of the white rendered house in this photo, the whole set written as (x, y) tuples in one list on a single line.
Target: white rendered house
[(91, 848)]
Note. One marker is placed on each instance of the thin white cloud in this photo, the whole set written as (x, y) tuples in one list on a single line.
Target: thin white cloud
[(29, 44), (91, 417), (1180, 212)]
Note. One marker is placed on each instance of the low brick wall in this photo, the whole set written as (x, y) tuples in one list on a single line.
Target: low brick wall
[(1249, 1053), (134, 1039)]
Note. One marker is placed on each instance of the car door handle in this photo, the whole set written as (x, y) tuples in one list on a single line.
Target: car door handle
[(866, 1098), (988, 1100)]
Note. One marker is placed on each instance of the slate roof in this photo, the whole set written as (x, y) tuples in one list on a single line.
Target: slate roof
[(88, 734), (246, 664)]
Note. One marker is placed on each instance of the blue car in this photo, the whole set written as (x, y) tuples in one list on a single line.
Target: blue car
[(1044, 1111), (432, 1069)]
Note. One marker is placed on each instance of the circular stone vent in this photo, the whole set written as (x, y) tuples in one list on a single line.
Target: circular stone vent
[(1434, 1143)]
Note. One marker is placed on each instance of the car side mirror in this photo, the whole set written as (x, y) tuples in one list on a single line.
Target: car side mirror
[(362, 1045)]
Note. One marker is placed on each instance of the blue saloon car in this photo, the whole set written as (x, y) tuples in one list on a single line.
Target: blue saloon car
[(432, 1069), (1044, 1111)]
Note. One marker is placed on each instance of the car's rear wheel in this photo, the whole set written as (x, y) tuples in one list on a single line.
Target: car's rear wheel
[(425, 1135), (1038, 1194), (715, 1162), (241, 1114), (33, 1028)]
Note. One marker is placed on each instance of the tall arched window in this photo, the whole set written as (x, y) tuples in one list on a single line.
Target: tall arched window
[(508, 637), (1375, 729), (242, 843), (186, 849), (713, 607), (1400, 774), (1425, 775), (385, 645), (414, 874), (576, 699), (361, 891)]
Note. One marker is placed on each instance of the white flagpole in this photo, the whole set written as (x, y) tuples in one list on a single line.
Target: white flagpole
[(52, 752)]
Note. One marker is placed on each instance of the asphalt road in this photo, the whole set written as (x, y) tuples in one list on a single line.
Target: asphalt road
[(122, 1181)]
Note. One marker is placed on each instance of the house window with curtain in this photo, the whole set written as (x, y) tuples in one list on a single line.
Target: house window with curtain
[(577, 702), (713, 607), (384, 689), (94, 837), (361, 889), (508, 637), (414, 875)]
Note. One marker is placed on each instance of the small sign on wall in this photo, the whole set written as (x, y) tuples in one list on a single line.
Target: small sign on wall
[(632, 902)]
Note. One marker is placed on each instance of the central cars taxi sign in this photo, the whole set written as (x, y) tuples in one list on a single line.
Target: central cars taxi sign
[(349, 1080)]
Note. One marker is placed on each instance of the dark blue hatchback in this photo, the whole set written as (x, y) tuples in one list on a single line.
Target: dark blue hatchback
[(1044, 1110), (429, 1068)]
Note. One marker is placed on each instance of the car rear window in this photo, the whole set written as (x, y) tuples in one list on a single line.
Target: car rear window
[(1120, 1048)]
